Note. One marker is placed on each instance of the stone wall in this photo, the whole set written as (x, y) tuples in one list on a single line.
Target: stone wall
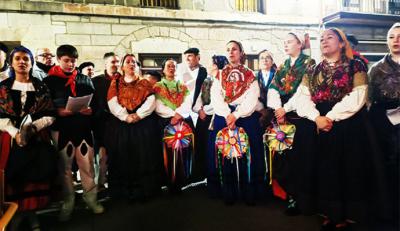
[(160, 31)]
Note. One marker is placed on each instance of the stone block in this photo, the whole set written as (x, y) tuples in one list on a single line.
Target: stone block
[(123, 11), (119, 29), (102, 10), (12, 34), (197, 33), (166, 23), (36, 32), (164, 31), (174, 32), (23, 20), (72, 39), (85, 18), (59, 29), (142, 34), (130, 21), (96, 52), (10, 5), (3, 20), (154, 31), (88, 28), (184, 37), (106, 40), (58, 23), (41, 6), (104, 19), (66, 18), (77, 8), (34, 44)]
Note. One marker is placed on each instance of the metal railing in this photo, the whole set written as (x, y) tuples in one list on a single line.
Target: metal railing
[(246, 5), (173, 4), (394, 7), (366, 6)]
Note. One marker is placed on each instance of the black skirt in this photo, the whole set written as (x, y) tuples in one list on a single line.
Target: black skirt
[(133, 158), (295, 169), (388, 138), (347, 168)]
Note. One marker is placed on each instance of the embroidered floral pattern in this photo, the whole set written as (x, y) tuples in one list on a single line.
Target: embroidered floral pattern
[(288, 78), (331, 83), (235, 81), (385, 81), (171, 93)]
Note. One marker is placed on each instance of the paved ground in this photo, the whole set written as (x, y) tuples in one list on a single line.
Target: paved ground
[(190, 211)]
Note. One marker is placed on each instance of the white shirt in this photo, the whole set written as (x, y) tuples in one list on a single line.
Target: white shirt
[(246, 103), (166, 112), (344, 109), (121, 113)]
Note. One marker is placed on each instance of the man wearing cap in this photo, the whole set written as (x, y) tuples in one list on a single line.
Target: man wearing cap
[(3, 62), (44, 61), (87, 68), (193, 75)]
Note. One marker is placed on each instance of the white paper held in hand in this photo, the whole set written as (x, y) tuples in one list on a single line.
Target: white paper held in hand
[(75, 104), (393, 115), (25, 121)]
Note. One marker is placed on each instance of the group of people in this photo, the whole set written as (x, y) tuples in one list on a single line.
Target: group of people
[(186, 124)]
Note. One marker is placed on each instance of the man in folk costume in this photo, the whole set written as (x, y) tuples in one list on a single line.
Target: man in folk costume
[(193, 76), (73, 130)]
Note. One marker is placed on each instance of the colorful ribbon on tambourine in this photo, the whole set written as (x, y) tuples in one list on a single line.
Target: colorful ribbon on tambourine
[(232, 145), (278, 137), (178, 137)]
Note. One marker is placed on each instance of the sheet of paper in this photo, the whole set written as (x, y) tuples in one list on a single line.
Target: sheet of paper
[(393, 115), (25, 121), (75, 104)]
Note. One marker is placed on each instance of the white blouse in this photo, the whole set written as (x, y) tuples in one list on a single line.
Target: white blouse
[(121, 113), (166, 112), (344, 109), (246, 103)]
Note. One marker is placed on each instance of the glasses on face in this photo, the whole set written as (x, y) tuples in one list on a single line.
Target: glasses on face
[(47, 55)]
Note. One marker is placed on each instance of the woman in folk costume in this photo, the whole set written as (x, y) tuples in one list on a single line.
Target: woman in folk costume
[(133, 162), (173, 106), (291, 168), (27, 155), (234, 95), (333, 95), (264, 77), (384, 114)]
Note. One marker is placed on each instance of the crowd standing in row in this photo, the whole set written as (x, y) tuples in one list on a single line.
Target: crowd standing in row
[(168, 129)]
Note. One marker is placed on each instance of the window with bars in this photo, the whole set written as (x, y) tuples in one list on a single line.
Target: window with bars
[(153, 61), (249, 5), (172, 4), (252, 62)]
